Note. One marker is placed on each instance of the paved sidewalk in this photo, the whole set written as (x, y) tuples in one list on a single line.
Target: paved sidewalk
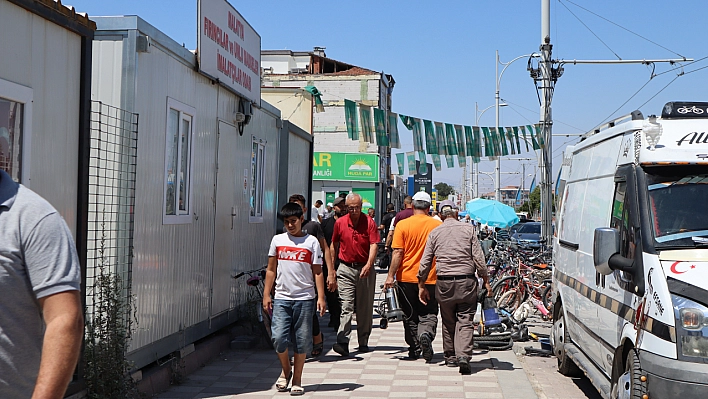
[(383, 373)]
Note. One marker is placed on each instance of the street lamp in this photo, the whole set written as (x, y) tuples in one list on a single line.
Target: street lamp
[(497, 169), (474, 170)]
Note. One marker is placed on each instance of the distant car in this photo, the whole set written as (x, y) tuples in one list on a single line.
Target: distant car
[(503, 235), (527, 235)]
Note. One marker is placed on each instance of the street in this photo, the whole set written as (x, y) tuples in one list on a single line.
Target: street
[(386, 373)]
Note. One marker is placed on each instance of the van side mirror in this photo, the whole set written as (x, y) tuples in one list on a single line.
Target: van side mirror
[(605, 244)]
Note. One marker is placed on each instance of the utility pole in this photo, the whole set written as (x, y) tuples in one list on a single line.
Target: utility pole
[(546, 160)]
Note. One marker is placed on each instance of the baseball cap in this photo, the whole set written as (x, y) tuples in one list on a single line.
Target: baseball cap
[(329, 204), (422, 196), (337, 201), (447, 204)]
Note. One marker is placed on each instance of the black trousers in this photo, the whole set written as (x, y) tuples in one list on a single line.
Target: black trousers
[(420, 319)]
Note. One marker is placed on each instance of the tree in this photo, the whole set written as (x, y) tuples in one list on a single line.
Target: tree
[(534, 203), (444, 190)]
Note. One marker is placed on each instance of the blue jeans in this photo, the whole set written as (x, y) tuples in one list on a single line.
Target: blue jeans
[(292, 324)]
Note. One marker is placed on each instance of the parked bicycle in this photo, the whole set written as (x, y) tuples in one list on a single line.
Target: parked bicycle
[(256, 280)]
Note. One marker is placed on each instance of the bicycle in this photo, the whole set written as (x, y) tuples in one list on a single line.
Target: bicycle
[(256, 280)]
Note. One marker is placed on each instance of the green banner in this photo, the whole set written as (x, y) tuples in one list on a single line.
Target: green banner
[(488, 151), (436, 162), (380, 125), (516, 137), (526, 140), (368, 198), (393, 127), (329, 198), (450, 139), (460, 141), (423, 164), (411, 162), (477, 154), (440, 138), (418, 135), (510, 138), (345, 166), (450, 160), (365, 119), (351, 119), (539, 136), (431, 143), (400, 161)]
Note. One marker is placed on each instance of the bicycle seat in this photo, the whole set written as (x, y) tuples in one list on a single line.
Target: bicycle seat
[(253, 281)]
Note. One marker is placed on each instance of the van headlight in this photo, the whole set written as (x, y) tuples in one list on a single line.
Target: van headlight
[(691, 328)]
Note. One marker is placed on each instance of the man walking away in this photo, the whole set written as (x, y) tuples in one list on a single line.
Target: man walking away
[(339, 209), (409, 240), (386, 220), (354, 240), (404, 214), (41, 320), (458, 255)]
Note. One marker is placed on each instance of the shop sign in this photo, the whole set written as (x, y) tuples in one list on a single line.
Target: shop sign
[(229, 49), (345, 166)]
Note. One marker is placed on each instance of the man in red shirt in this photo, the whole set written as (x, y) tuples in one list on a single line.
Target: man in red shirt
[(354, 243)]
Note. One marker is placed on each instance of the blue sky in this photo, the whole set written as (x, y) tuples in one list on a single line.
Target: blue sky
[(442, 54)]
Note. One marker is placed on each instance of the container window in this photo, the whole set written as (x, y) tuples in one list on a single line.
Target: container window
[(178, 168), (257, 180), (11, 114)]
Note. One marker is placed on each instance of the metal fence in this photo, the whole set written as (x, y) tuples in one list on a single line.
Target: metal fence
[(112, 173)]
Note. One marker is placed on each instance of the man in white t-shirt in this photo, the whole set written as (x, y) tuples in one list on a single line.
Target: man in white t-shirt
[(296, 259)]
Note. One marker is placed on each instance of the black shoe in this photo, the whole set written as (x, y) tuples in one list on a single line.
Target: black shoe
[(451, 363), (426, 346), (413, 354), (342, 349), (464, 365), (364, 349)]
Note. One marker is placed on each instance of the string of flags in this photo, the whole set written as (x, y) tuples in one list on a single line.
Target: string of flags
[(438, 139)]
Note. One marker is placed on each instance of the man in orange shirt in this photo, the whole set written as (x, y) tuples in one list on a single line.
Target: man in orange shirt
[(409, 239)]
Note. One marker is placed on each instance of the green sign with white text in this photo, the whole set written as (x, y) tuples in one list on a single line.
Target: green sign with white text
[(345, 166)]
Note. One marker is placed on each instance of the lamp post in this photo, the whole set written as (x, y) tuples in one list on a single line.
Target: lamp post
[(497, 168), (474, 170)]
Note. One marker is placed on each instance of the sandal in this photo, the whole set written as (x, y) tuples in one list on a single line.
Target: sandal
[(297, 390), (282, 384), (317, 348)]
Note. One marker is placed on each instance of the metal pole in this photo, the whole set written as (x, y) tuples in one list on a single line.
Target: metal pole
[(545, 160), (497, 166), (475, 167)]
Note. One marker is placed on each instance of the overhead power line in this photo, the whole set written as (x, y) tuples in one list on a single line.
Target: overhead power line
[(591, 31)]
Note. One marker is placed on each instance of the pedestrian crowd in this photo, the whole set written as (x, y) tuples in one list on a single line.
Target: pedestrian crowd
[(436, 264)]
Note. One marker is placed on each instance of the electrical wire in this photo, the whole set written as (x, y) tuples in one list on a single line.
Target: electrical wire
[(534, 111), (621, 27), (591, 31), (657, 93), (624, 103)]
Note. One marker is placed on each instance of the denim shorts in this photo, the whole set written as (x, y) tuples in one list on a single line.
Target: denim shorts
[(292, 324)]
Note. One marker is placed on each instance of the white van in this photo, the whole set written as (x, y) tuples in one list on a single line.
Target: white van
[(631, 256)]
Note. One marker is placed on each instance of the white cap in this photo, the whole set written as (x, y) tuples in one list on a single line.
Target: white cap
[(329, 204), (422, 196)]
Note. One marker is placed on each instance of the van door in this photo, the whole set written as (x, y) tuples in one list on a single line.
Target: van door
[(617, 301)]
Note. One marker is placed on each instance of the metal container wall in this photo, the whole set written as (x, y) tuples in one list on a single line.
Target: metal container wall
[(46, 58), (177, 282), (299, 173)]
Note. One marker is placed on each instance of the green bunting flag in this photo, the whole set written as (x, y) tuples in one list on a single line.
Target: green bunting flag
[(526, 140), (496, 146), (534, 143), (440, 138), (450, 139), (450, 160), (418, 135), (365, 119), (393, 127), (400, 160), (488, 152), (502, 141), (423, 165), (431, 144), (477, 145), (516, 136), (380, 124), (351, 119), (510, 138), (461, 155), (539, 136), (469, 141), (436, 162), (411, 162), (409, 122)]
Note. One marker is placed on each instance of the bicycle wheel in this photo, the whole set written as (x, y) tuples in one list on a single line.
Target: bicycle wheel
[(503, 285), (546, 297), (509, 301)]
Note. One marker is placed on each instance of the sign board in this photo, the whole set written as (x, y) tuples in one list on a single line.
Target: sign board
[(368, 198), (229, 49), (423, 181), (345, 166)]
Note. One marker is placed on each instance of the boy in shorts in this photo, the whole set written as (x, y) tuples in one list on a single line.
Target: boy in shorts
[(296, 259)]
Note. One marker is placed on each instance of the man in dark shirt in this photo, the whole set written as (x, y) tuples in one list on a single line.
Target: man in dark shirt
[(333, 304), (404, 214), (386, 220)]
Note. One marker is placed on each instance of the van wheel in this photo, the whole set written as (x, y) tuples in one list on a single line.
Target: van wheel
[(629, 385), (560, 337)]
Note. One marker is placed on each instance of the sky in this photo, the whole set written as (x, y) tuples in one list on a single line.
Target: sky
[(442, 56)]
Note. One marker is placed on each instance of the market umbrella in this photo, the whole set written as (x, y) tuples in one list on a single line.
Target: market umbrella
[(492, 213)]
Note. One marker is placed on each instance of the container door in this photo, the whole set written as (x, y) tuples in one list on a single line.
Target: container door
[(227, 210)]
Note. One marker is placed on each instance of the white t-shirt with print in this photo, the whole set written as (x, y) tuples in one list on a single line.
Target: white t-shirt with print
[(295, 255)]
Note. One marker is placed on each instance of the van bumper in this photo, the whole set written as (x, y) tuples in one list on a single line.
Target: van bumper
[(670, 378)]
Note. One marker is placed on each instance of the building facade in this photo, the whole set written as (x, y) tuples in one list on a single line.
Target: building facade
[(340, 164), (508, 195)]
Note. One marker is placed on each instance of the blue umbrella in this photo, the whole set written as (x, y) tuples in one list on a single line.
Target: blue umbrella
[(492, 213)]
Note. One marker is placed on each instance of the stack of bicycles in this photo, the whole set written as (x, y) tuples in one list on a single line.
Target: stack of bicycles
[(521, 280)]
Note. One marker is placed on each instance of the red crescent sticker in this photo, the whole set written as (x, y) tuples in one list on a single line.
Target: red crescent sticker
[(673, 268)]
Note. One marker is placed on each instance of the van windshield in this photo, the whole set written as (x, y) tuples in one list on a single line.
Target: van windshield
[(677, 204)]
